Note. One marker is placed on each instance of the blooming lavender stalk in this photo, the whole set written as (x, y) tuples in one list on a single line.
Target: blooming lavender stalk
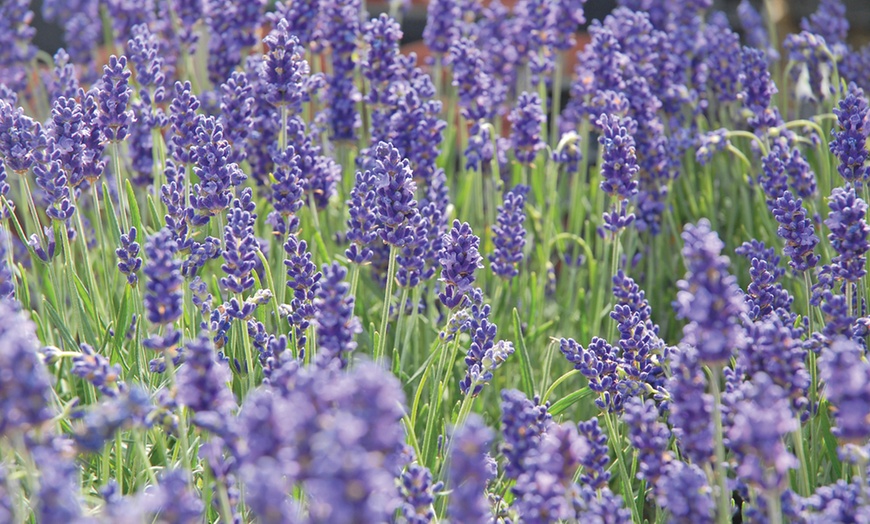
[(362, 226), (52, 180), (237, 113), (755, 30), (709, 297), (202, 385), (797, 231), (526, 121), (22, 139), (114, 99), (25, 390), (847, 386), (16, 35), (761, 420), (684, 492), (184, 122), (286, 194), (649, 436), (523, 424), (469, 472), (144, 53), (240, 245), (285, 71), (618, 169), (509, 236), (595, 475), (211, 155), (417, 490), (849, 144), (343, 29), (459, 259), (690, 406), (129, 261), (304, 279), (849, 232), (336, 324), (163, 294), (395, 188), (97, 370)]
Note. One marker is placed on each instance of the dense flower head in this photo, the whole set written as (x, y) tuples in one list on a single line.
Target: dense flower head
[(459, 260), (484, 355), (755, 30), (595, 475), (285, 71), (684, 492), (237, 113), (758, 88), (649, 436), (410, 259), (24, 382), (302, 17), (184, 121), (598, 362), (67, 137), (336, 324), (847, 387), (342, 28), (22, 139), (807, 50), (849, 144), (849, 232), (240, 245), (442, 21), (129, 409), (129, 261), (691, 407), (765, 293), (304, 279), (723, 60), (838, 502), (381, 65), (523, 423), (469, 471), (509, 235), (526, 120), (16, 35), (202, 380), (798, 232), (473, 85), (217, 175), (144, 52), (546, 490), (761, 420), (59, 499), (287, 190), (829, 21), (163, 293), (362, 225), (114, 98), (96, 369), (394, 195), (417, 490), (709, 297), (52, 179)]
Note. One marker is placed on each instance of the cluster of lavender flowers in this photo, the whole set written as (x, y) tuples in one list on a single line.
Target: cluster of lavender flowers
[(203, 241)]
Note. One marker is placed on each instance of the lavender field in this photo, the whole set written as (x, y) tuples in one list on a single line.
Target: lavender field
[(259, 263)]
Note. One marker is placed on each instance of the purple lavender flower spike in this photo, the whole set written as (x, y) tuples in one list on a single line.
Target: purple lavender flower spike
[(526, 120), (285, 71), (756, 30), (211, 156), (16, 35), (469, 472), (25, 389), (546, 490), (618, 168), (459, 259), (410, 259), (523, 424), (173, 501), (240, 246), (847, 387), (838, 502), (232, 29), (830, 22), (22, 139), (691, 407), (144, 52), (473, 85), (286, 195), (185, 122), (709, 297), (849, 144), (394, 196), (163, 295), (598, 363), (336, 324), (417, 490), (342, 31), (684, 492), (202, 381), (723, 63), (849, 232), (807, 49), (59, 491), (66, 142), (52, 180), (129, 261), (114, 99), (649, 436), (761, 420), (441, 29), (5, 212), (97, 370), (304, 279), (362, 226), (237, 113), (509, 236), (302, 17), (45, 253), (595, 475), (798, 232)]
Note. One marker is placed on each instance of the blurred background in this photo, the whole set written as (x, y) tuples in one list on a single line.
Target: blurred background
[(787, 14)]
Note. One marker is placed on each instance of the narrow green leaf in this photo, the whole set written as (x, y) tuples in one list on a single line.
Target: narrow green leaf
[(58, 323), (134, 208), (113, 218), (156, 220), (561, 405), (528, 381)]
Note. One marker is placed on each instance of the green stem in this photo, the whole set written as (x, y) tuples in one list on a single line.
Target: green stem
[(627, 491), (388, 298), (724, 500)]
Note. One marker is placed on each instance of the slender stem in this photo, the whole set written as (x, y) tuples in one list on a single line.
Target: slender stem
[(119, 183), (724, 499), (627, 491), (388, 297), (774, 508), (803, 471)]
